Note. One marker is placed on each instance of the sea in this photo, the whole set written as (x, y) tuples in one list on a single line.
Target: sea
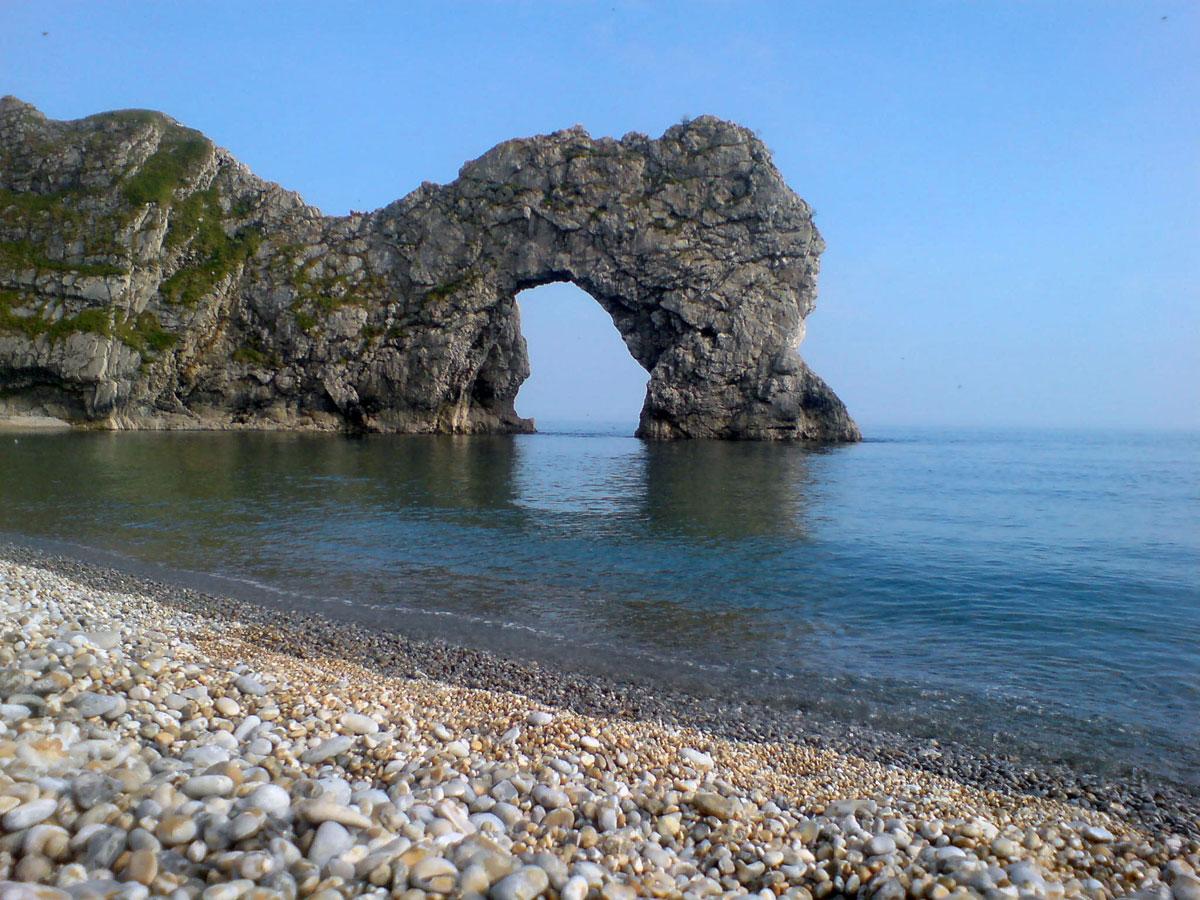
[(1029, 593)]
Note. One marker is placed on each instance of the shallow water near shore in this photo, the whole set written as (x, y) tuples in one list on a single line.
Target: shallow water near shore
[(1030, 593)]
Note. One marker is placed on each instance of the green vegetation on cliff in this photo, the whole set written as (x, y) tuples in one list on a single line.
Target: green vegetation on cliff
[(187, 286), (318, 295), (21, 256), (29, 220), (180, 151), (94, 321), (197, 222), (254, 353), (143, 332), (19, 207)]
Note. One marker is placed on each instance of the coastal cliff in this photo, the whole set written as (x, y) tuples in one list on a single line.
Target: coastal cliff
[(150, 280)]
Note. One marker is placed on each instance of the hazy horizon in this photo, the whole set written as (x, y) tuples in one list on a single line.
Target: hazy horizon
[(1010, 193)]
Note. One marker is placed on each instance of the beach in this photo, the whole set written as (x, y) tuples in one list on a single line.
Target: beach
[(598, 451), (157, 741)]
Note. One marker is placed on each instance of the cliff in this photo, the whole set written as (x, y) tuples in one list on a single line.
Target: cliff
[(150, 280)]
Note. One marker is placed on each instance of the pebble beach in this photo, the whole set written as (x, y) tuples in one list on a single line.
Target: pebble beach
[(154, 743)]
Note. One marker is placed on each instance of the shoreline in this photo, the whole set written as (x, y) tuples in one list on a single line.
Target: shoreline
[(1153, 803), (710, 777)]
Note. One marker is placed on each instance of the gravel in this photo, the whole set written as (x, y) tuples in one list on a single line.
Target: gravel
[(343, 776)]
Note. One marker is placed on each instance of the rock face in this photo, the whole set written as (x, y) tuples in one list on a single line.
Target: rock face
[(150, 280)]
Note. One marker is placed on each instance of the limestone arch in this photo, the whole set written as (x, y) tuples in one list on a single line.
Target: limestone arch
[(704, 259)]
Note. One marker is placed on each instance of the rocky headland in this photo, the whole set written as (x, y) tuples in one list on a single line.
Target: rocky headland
[(156, 742), (150, 280)]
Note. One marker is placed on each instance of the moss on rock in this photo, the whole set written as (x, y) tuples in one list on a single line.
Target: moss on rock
[(219, 255), (165, 171), (23, 255), (143, 332)]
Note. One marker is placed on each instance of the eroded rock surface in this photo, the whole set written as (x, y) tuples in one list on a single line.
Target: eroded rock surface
[(150, 280)]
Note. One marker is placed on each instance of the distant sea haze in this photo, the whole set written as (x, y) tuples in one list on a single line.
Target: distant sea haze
[(1032, 592)]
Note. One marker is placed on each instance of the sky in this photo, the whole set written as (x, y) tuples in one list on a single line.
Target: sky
[(1009, 191)]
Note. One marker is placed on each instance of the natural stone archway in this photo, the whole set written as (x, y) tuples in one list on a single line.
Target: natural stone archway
[(219, 300)]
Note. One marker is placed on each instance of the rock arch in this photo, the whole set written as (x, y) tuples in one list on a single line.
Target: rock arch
[(405, 319), (703, 258)]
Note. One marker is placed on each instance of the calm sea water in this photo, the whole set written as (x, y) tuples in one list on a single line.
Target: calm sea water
[(1033, 592)]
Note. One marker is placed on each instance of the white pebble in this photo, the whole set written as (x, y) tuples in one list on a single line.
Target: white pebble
[(29, 814), (354, 723), (328, 749)]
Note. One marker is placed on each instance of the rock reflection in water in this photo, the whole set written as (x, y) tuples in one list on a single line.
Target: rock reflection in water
[(725, 491)]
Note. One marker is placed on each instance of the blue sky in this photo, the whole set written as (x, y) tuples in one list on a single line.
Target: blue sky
[(1010, 190)]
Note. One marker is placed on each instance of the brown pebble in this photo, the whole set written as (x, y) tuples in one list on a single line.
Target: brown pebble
[(142, 867)]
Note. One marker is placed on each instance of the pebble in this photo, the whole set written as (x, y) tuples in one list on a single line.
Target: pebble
[(1098, 835), (318, 811), (881, 845), (29, 814), (14, 712), (247, 824), (180, 774), (227, 706), (839, 808), (91, 705), (50, 841), (91, 788), (256, 866), (1005, 848), (1185, 887), (332, 839), (142, 867), (576, 888), (607, 819), (434, 874), (717, 806), (250, 686), (1026, 875), (550, 798), (176, 829), (201, 786), (271, 799), (524, 884), (327, 749), (104, 846), (105, 638), (231, 890), (668, 826), (353, 723)]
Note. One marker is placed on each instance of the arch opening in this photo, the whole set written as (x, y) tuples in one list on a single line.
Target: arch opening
[(582, 375)]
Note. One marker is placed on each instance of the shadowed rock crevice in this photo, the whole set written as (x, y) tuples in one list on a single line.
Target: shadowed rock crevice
[(149, 280)]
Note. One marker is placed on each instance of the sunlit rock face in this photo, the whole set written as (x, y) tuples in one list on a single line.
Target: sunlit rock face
[(150, 280)]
